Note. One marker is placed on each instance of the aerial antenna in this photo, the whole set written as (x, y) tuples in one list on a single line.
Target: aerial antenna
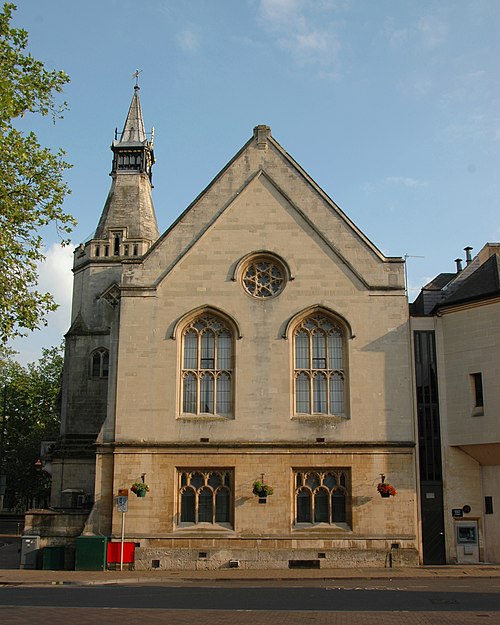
[(406, 256)]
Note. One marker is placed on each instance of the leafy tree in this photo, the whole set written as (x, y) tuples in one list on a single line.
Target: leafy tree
[(31, 181), (30, 414)]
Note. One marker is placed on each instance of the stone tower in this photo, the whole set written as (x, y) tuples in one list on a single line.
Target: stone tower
[(126, 230)]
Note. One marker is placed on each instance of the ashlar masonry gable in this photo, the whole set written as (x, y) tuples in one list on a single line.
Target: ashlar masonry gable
[(265, 158)]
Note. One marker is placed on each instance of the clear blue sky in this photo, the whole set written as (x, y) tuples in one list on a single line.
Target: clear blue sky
[(392, 106)]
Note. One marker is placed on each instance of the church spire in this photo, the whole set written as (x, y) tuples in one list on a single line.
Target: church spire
[(132, 149), (133, 130), (129, 213)]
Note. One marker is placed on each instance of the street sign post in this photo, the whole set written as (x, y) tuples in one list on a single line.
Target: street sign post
[(122, 503)]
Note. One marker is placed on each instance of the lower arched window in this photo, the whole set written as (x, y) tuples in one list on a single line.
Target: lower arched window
[(319, 366), (207, 367), (322, 496), (205, 496), (99, 363)]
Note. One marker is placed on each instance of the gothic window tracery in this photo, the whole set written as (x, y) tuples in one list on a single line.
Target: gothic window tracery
[(322, 496), (99, 363), (207, 367), (319, 366), (263, 276), (205, 496)]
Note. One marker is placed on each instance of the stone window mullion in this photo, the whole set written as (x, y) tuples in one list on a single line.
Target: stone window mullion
[(328, 501), (212, 359), (319, 352), (196, 506)]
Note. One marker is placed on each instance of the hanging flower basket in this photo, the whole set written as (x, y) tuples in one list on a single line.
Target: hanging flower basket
[(140, 489), (262, 490), (386, 490)]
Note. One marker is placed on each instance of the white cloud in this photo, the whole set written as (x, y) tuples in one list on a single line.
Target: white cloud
[(429, 32), (305, 30), (433, 31), (400, 181), (188, 40), (472, 127), (398, 37), (404, 181), (465, 88), (313, 47), (280, 11), (55, 276), (55, 272)]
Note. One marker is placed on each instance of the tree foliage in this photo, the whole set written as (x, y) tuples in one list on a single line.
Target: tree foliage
[(32, 188), (30, 398)]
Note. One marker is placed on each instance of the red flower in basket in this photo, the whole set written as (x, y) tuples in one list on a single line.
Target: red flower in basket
[(386, 490), (140, 489)]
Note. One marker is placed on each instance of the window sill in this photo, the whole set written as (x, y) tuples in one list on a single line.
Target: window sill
[(204, 417), (478, 411), (205, 527), (320, 417), (321, 527)]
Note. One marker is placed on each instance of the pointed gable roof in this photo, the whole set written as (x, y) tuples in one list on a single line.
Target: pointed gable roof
[(262, 160)]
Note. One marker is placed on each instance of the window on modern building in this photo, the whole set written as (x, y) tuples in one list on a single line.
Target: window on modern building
[(99, 363), (319, 372), (322, 496), (205, 496), (488, 505), (477, 391), (207, 367)]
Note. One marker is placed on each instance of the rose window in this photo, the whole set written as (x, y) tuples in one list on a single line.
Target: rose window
[(263, 278)]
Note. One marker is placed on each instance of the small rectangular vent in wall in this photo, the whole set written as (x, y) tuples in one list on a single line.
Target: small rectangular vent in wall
[(320, 440), (204, 440), (202, 554), (321, 554), (234, 564), (155, 564), (303, 564)]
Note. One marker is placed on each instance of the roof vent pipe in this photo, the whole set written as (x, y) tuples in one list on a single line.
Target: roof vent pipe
[(468, 256), (459, 264)]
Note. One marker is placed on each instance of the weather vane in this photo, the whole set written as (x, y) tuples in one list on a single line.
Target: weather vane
[(136, 76)]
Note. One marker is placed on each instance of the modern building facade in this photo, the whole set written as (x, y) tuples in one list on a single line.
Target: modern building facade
[(455, 325), (262, 339)]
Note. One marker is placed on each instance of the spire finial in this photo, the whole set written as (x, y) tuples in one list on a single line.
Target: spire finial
[(136, 76)]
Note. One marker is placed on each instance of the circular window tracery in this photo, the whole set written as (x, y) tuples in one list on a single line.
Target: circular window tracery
[(263, 277)]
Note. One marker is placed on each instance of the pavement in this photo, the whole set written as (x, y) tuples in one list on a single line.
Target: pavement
[(40, 577), (60, 615)]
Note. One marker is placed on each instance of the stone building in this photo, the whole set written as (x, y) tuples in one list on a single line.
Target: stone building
[(261, 338), (456, 342)]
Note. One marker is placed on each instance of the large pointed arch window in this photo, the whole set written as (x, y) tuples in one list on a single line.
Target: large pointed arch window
[(319, 366), (207, 367)]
